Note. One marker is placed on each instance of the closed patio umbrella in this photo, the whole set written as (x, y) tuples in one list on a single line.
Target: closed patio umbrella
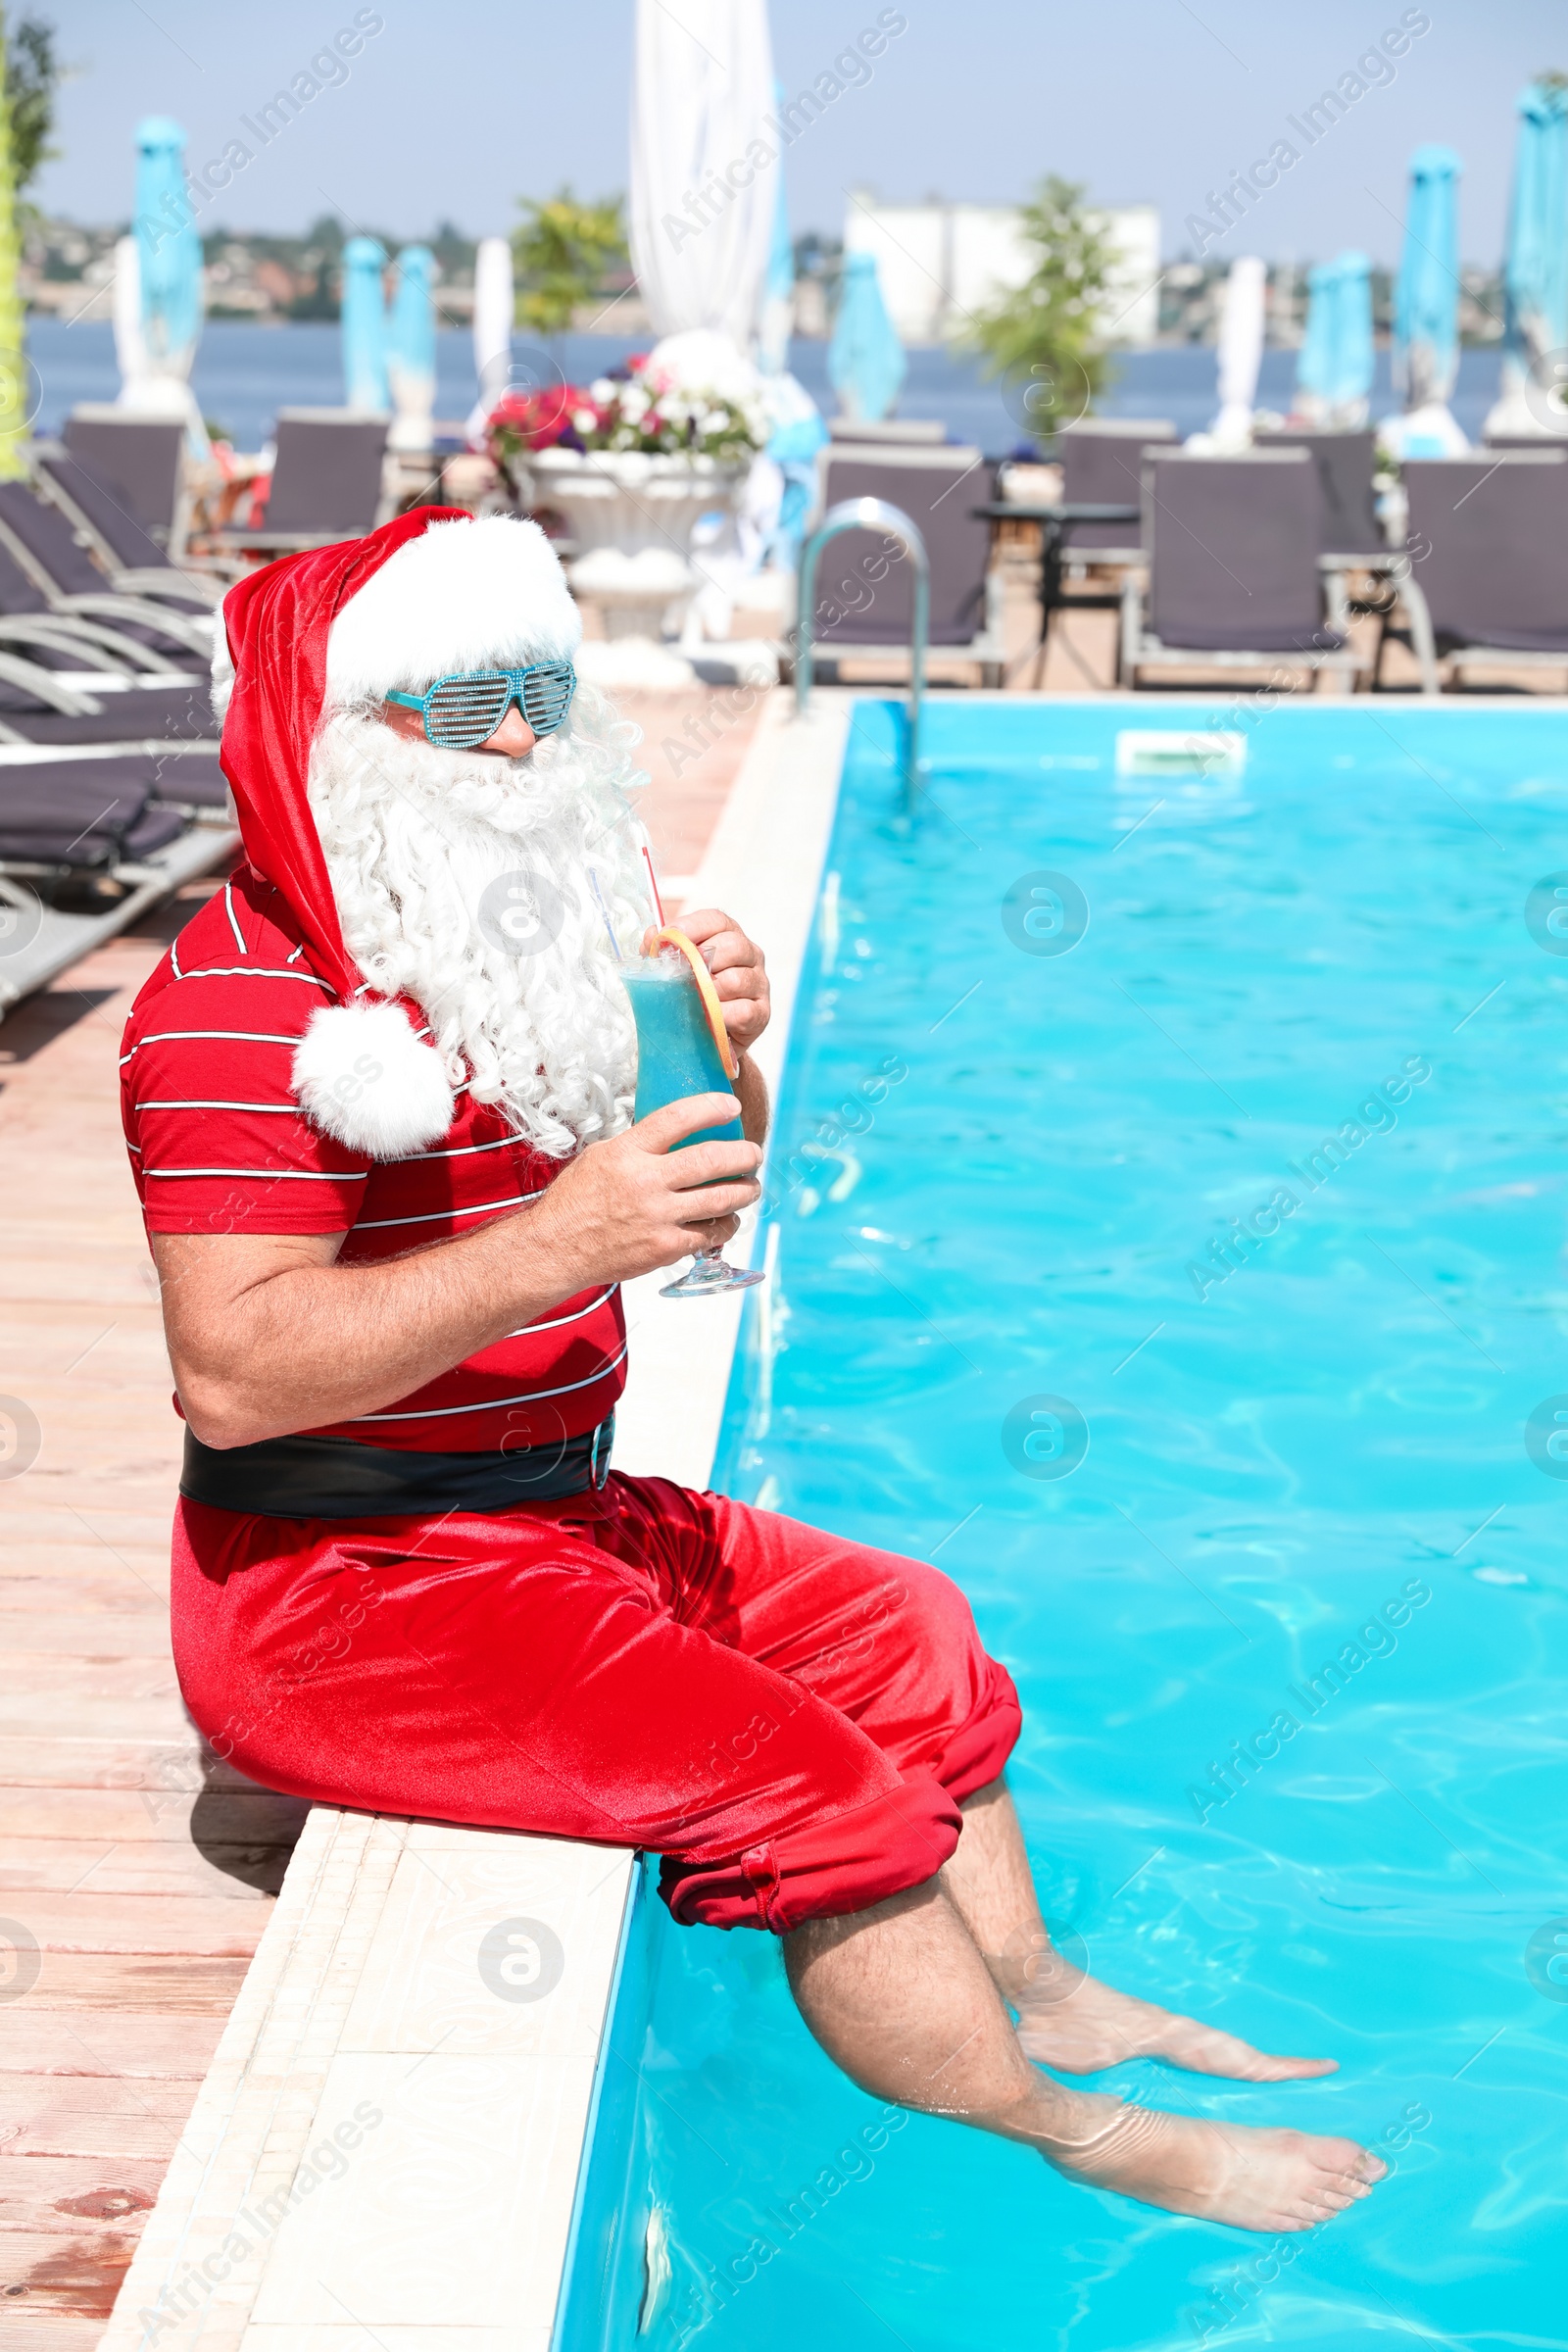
[(168, 274), (411, 350), (124, 297), (1426, 311), (1240, 352), (865, 361), (704, 164), (1314, 365), (494, 303), (363, 328), (1352, 358), (705, 152), (1535, 271)]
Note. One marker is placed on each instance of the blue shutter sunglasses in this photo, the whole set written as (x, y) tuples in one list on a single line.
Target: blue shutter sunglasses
[(463, 710)]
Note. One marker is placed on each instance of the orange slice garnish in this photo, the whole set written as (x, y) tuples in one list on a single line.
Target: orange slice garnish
[(671, 938)]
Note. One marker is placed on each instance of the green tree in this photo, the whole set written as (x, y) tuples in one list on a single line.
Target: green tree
[(563, 252), (15, 402), (32, 73), (1046, 336)]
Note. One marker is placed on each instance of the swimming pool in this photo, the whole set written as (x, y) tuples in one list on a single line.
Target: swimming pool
[(1168, 1199)]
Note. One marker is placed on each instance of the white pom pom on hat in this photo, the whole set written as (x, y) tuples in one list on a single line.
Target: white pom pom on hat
[(482, 595), (363, 1075)]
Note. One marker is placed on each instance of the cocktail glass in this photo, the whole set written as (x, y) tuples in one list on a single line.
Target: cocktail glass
[(682, 1050)]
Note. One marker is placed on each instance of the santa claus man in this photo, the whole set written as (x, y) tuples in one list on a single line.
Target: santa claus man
[(377, 1099)]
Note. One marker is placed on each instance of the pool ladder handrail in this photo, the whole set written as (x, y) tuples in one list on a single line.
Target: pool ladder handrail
[(869, 515)]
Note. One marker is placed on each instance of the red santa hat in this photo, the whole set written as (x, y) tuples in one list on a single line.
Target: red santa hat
[(433, 592)]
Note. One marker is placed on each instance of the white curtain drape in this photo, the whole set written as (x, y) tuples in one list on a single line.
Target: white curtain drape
[(705, 149), (149, 387)]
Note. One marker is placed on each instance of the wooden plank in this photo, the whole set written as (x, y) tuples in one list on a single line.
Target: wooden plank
[(155, 1722), (241, 1872), (112, 1984), (70, 1633), (241, 1816), (77, 2196), (95, 1672), (107, 2136), (78, 2277), (165, 1766), (212, 1926), (33, 1514), (26, 2101), (23, 2098), (67, 2041), (82, 1581), (35, 2328)]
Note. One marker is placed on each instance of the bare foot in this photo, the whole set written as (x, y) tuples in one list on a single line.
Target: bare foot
[(1071, 2021), (1250, 2179)]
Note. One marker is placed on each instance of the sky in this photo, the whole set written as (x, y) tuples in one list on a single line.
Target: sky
[(455, 110)]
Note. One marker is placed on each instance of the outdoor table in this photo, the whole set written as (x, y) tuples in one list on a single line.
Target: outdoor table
[(1056, 522)]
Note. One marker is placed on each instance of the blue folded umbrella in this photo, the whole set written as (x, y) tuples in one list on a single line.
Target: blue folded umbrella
[(364, 326), (865, 362), (1426, 295)]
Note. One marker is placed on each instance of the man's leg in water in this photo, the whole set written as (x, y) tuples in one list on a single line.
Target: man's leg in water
[(901, 1999), (1066, 2019)]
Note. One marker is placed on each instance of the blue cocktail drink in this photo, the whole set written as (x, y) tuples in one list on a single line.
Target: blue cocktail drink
[(678, 1055)]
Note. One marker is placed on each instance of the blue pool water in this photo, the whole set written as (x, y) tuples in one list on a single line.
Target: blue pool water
[(1251, 1475)]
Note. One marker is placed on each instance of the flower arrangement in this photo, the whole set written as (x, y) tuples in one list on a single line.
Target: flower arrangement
[(645, 407)]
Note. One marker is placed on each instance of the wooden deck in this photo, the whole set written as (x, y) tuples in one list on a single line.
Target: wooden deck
[(133, 1893), (136, 1873)]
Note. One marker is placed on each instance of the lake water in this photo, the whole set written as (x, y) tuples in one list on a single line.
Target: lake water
[(245, 374)]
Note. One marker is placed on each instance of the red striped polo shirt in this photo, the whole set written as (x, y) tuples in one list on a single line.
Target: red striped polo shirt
[(218, 1144)]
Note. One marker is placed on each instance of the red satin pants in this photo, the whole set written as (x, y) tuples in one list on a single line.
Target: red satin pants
[(788, 1718)]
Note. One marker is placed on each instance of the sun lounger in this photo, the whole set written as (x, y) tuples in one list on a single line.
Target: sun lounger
[(72, 702), (1101, 466), (1233, 579), (39, 541), (140, 460), (102, 526), (1352, 531), (83, 708), (326, 483), (865, 597), (1487, 581), (87, 847), (68, 635), (61, 819), (896, 431)]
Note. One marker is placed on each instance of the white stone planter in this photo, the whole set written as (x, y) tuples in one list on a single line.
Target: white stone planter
[(632, 518)]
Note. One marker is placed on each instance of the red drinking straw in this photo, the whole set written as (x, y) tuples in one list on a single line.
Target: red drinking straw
[(653, 884)]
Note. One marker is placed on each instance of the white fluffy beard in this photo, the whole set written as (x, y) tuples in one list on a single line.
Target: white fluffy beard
[(413, 837)]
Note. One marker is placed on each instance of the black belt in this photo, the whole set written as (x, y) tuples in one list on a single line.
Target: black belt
[(338, 1478)]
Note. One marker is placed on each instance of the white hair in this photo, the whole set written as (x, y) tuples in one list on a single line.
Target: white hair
[(468, 882)]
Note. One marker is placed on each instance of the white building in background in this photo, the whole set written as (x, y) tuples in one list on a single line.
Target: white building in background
[(938, 262)]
